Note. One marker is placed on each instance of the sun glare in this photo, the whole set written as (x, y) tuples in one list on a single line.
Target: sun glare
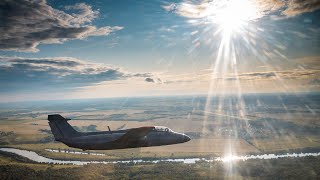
[(234, 15), (230, 20)]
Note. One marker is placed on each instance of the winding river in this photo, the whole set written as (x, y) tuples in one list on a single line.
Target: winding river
[(40, 159)]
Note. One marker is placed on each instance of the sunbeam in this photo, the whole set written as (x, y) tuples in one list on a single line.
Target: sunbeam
[(184, 89)]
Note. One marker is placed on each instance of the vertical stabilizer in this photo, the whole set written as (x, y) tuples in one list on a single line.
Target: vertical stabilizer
[(60, 128)]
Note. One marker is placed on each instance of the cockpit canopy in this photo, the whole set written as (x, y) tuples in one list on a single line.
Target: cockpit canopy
[(162, 128)]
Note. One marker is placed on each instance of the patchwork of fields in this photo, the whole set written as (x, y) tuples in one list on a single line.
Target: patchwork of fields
[(250, 125)]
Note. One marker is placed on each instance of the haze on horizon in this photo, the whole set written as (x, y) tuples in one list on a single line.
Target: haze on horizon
[(83, 49)]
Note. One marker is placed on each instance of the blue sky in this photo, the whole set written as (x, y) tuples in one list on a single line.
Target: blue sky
[(138, 44), (137, 48)]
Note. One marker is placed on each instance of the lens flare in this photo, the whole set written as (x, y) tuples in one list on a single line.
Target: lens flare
[(230, 21), (234, 15), (240, 36)]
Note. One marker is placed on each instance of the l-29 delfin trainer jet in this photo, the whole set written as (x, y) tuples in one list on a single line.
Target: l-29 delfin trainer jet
[(107, 140)]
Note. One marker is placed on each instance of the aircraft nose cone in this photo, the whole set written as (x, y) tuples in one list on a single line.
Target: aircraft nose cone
[(181, 138), (186, 138)]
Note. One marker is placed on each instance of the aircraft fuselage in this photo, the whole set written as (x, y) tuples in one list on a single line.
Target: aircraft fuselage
[(107, 140)]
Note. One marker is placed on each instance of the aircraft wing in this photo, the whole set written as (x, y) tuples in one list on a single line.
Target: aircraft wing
[(135, 134)]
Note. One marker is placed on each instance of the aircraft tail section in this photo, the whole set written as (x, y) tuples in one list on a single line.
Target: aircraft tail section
[(60, 128)]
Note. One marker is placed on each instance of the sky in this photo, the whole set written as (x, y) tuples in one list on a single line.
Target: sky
[(95, 49)]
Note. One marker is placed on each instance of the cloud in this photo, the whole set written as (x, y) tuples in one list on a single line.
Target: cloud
[(298, 75), (149, 80), (296, 7), (273, 75), (27, 23), (206, 8), (260, 74), (19, 74), (189, 10)]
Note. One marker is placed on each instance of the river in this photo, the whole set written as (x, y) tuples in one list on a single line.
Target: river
[(40, 159)]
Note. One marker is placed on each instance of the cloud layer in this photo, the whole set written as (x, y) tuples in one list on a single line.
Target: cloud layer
[(27, 23), (300, 72), (296, 7), (206, 8), (276, 75), (19, 74), (294, 74)]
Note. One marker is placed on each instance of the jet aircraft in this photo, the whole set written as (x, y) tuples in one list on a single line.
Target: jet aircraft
[(120, 139)]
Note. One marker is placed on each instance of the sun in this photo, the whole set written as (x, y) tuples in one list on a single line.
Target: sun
[(233, 16)]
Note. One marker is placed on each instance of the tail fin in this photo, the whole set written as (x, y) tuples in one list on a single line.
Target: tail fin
[(60, 128)]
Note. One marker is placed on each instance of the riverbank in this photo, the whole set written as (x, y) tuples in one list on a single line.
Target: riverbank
[(34, 157), (283, 168)]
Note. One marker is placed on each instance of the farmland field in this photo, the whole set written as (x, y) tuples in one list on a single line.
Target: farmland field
[(271, 123)]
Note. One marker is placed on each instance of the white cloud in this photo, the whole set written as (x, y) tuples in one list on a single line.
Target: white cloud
[(205, 8), (26, 24), (19, 74)]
